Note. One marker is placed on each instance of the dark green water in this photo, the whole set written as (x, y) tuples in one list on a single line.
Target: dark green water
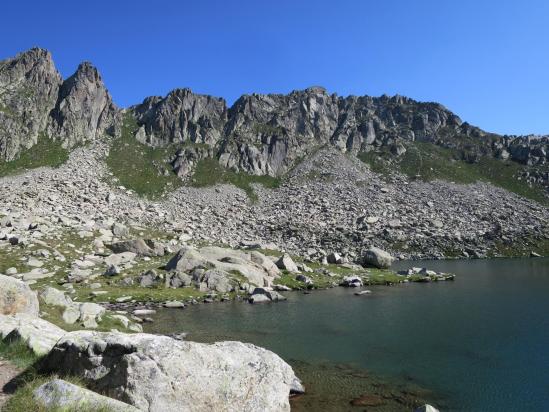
[(480, 343)]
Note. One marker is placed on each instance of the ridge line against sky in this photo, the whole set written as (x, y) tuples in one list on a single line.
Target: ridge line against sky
[(487, 61)]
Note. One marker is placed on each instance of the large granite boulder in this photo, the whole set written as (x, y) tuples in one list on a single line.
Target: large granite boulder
[(16, 297), (158, 373), (38, 334), (287, 263), (255, 267), (377, 257), (139, 246), (62, 395)]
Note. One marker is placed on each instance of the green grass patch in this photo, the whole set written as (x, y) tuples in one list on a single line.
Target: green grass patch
[(139, 167), (427, 161), (18, 353), (209, 172), (46, 152), (520, 247), (23, 399)]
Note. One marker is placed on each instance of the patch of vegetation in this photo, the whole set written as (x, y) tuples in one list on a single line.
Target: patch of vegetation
[(427, 161), (23, 399), (209, 172), (46, 152), (6, 110), (139, 167), (520, 248), (18, 353), (267, 129)]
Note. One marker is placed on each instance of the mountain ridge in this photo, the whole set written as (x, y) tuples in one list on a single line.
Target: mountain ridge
[(259, 134)]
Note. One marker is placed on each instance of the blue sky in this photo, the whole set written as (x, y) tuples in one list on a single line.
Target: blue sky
[(488, 61)]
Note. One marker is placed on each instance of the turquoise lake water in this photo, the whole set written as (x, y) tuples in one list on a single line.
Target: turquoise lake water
[(480, 343)]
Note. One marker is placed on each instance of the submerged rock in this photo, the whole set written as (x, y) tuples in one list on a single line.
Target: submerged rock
[(426, 408)]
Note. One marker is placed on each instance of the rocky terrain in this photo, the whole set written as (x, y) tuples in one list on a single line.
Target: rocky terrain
[(109, 213)]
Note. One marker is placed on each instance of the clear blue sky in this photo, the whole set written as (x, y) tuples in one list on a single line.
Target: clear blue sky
[(488, 61)]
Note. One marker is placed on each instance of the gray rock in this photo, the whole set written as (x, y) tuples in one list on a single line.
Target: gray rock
[(118, 259), (60, 394), (112, 270), (377, 257), (259, 298), (150, 278), (272, 295), (139, 247), (54, 297), (285, 262), (38, 334), (334, 258), (145, 371), (120, 230), (178, 280), (16, 297), (351, 281)]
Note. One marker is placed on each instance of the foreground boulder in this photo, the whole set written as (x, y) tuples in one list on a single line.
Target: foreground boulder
[(62, 395), (158, 373), (17, 297), (378, 258), (39, 335)]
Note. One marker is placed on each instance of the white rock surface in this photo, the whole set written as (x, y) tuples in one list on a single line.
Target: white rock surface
[(38, 334), (59, 394), (158, 373)]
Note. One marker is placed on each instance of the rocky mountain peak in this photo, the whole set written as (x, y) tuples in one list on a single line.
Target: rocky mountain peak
[(29, 84), (84, 108), (182, 116)]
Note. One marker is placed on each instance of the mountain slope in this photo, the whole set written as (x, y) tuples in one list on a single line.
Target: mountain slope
[(259, 135)]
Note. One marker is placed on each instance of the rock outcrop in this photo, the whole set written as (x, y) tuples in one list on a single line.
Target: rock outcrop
[(16, 297), (39, 335), (62, 395), (84, 109), (36, 103), (29, 87), (230, 266), (181, 117), (158, 373), (259, 134)]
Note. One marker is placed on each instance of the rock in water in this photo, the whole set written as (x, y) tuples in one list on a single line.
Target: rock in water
[(59, 394), (378, 258), (426, 408), (16, 297), (158, 373)]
